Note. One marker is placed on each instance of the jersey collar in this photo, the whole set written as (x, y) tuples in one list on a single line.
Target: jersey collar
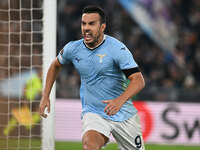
[(97, 45)]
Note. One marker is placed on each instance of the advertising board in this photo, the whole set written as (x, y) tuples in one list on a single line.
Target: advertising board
[(161, 122)]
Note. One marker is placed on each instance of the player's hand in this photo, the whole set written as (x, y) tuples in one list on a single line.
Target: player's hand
[(45, 102), (113, 106)]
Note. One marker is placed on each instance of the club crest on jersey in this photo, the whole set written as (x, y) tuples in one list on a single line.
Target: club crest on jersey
[(101, 57)]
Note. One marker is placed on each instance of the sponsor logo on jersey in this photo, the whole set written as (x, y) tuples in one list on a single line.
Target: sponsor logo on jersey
[(78, 59), (123, 48)]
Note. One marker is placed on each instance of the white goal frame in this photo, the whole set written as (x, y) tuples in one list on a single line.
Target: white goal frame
[(49, 54)]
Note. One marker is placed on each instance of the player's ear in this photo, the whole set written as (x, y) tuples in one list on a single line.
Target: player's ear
[(103, 27)]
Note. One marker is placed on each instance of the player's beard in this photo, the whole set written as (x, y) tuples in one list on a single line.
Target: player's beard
[(95, 39)]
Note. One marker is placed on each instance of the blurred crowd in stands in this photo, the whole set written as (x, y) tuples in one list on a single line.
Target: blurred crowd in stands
[(169, 75)]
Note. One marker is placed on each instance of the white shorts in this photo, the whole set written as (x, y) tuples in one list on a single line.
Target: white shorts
[(128, 133)]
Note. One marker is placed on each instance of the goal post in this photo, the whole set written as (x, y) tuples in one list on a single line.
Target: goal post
[(49, 52), (27, 48)]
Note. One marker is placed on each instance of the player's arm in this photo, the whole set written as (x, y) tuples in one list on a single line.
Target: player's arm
[(136, 84), (52, 74)]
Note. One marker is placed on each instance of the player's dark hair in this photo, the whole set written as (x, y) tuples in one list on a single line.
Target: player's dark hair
[(95, 9)]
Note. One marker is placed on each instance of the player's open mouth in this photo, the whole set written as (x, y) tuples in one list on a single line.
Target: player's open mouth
[(88, 36)]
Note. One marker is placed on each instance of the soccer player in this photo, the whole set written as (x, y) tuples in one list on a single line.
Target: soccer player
[(103, 64)]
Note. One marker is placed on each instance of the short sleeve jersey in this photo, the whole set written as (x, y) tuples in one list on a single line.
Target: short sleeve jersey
[(101, 74)]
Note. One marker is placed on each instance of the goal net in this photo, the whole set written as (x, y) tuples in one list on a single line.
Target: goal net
[(27, 45)]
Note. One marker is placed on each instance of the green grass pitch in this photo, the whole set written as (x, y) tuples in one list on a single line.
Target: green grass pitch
[(113, 146), (36, 143)]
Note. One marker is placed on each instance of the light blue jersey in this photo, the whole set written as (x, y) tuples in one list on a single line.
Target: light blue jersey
[(101, 74)]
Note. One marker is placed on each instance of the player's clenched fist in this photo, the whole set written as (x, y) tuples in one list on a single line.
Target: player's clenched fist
[(45, 102)]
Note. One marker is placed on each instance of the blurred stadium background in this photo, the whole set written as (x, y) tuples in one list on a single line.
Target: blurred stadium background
[(163, 36)]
